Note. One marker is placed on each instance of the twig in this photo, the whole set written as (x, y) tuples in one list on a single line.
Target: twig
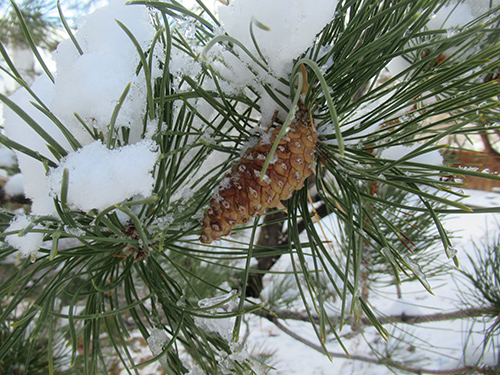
[(247, 331), (402, 318)]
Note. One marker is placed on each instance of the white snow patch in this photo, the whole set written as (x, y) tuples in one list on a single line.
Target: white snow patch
[(7, 158), (15, 185), (287, 29), (183, 64), (398, 152), (224, 327), (293, 26), (18, 130), (397, 65), (451, 16), (251, 143), (28, 244), (456, 16), (100, 177), (91, 84)]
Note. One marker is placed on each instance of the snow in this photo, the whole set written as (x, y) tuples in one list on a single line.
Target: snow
[(100, 177), (461, 15), (398, 152), (224, 327), (287, 29), (397, 65), (164, 222), (29, 243), (446, 338), (457, 14), (183, 64), (7, 158), (16, 129), (453, 17), (15, 185), (402, 306), (293, 25), (91, 84), (157, 340)]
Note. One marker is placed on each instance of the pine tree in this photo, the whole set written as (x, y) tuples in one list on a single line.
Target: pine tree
[(299, 145)]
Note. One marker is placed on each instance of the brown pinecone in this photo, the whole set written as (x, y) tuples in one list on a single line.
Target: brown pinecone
[(242, 194)]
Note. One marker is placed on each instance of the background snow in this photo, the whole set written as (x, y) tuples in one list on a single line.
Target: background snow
[(445, 338), (15, 185), (33, 170), (398, 152), (451, 15), (458, 14)]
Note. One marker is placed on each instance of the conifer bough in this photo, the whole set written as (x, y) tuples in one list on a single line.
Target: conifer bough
[(243, 194)]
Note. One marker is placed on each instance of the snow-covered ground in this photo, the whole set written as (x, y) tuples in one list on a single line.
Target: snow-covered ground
[(439, 344)]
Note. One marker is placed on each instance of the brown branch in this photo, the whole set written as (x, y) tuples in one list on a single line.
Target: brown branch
[(402, 318), (488, 148), (453, 315), (383, 361)]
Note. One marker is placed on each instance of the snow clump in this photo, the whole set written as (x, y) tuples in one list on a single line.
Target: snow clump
[(157, 340), (293, 25), (100, 177), (29, 243), (224, 327), (15, 185), (283, 30), (7, 158), (16, 129), (90, 84)]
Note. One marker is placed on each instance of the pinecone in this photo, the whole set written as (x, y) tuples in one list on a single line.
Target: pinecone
[(242, 194)]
